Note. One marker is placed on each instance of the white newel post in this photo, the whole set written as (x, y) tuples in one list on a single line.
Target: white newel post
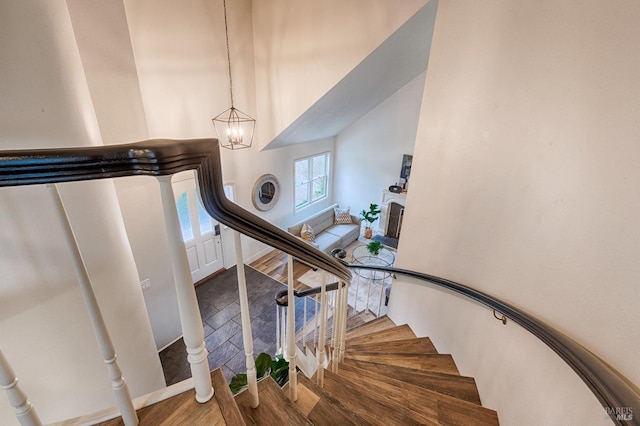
[(323, 327), (247, 338), (25, 413), (291, 332), (192, 329), (119, 385)]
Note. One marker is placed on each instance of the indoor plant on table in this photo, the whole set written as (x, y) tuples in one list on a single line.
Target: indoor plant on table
[(374, 247), (369, 217)]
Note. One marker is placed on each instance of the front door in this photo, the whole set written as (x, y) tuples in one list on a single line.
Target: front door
[(200, 232)]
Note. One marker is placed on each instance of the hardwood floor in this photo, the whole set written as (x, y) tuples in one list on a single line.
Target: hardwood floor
[(275, 264)]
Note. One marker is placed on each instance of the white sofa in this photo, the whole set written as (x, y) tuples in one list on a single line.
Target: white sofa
[(328, 234)]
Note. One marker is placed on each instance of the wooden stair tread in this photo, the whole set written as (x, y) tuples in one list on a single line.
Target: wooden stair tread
[(399, 332), (321, 407), (274, 409), (452, 413), (177, 409), (374, 407), (425, 401), (440, 363), (377, 324), (460, 387), (420, 345), (226, 402)]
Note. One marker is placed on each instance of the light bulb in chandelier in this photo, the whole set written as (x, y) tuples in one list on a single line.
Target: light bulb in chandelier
[(235, 134)]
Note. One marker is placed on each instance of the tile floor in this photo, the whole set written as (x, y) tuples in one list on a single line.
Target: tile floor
[(220, 311)]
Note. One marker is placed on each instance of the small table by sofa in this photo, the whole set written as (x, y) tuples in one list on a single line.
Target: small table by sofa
[(385, 257)]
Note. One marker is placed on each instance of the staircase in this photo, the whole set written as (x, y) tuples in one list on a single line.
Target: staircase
[(388, 377)]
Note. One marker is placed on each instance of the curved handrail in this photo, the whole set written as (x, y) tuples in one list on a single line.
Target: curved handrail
[(158, 157), (612, 389)]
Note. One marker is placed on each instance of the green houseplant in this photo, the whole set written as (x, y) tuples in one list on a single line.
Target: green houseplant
[(277, 368), (374, 247), (369, 217)]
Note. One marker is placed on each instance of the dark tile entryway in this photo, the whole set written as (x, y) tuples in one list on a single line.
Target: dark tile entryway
[(220, 311)]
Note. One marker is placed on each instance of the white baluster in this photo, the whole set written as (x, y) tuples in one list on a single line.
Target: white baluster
[(345, 312), (278, 339), (247, 338), (192, 330), (368, 292), (323, 326), (25, 413), (337, 316), (291, 332), (381, 294), (283, 331), (315, 327), (119, 385), (304, 324), (355, 302)]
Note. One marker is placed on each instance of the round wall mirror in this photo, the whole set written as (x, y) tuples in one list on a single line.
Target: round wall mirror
[(265, 192)]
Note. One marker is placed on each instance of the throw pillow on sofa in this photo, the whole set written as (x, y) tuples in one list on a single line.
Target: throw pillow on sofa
[(307, 233), (342, 215)]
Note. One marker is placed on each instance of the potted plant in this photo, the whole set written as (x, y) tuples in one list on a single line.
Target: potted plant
[(374, 247), (369, 217)]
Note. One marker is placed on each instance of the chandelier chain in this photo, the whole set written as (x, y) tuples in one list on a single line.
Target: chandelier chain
[(226, 33)]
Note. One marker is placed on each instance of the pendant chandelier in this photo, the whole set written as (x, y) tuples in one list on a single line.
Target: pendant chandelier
[(234, 128)]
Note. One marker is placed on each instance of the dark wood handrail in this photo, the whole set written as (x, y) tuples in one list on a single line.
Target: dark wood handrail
[(612, 389), (158, 157)]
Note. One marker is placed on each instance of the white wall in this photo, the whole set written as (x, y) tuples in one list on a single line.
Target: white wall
[(303, 48), (46, 334), (181, 65), (369, 152), (104, 42), (527, 161)]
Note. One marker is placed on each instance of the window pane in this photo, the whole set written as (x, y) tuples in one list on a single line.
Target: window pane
[(230, 192), (319, 188), (319, 165), (184, 215), (203, 218), (302, 171), (302, 195)]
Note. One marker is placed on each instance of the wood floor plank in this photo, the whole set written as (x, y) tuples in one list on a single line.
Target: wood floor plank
[(421, 345), (226, 402), (274, 409), (180, 409), (424, 401), (399, 332), (440, 363), (374, 407), (460, 387), (451, 413), (377, 324), (326, 409)]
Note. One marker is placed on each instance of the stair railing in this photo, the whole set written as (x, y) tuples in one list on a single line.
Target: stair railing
[(160, 158), (330, 320), (165, 157)]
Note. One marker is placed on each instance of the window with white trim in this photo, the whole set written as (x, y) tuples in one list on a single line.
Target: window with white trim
[(311, 179)]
